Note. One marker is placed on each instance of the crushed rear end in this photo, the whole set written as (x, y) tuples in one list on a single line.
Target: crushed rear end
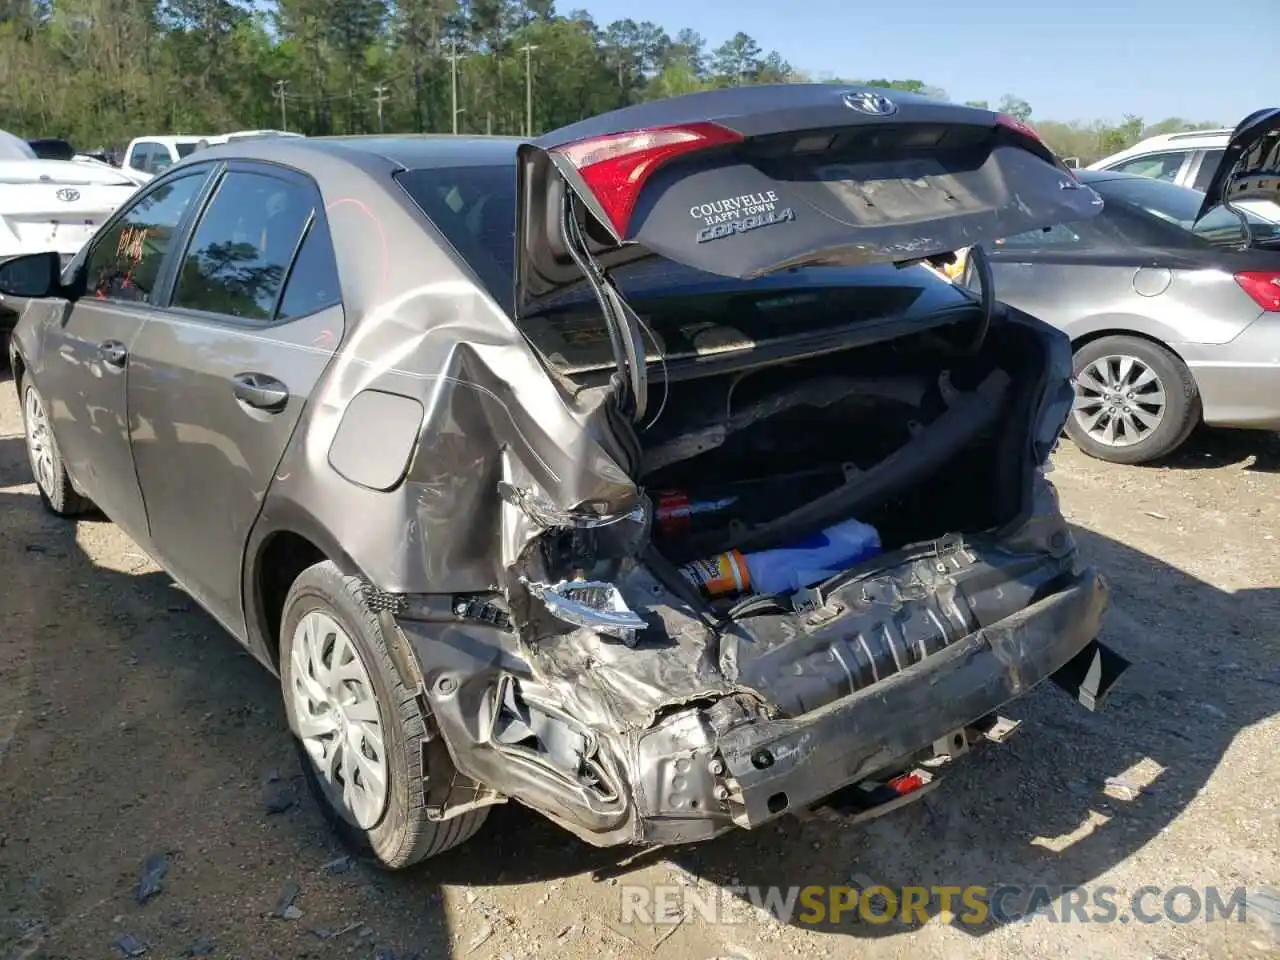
[(793, 370)]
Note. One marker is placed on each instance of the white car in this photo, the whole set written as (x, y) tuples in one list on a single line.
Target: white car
[(247, 135), (1187, 159), (53, 204), (148, 156)]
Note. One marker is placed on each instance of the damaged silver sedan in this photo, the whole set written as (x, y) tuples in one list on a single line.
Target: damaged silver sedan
[(641, 474)]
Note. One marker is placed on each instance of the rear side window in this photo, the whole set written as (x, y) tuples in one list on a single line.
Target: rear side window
[(475, 208), (126, 260), (1156, 166), (312, 284), (242, 248)]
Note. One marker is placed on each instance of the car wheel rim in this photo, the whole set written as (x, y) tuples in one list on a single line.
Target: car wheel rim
[(39, 441), (1119, 401), (335, 714)]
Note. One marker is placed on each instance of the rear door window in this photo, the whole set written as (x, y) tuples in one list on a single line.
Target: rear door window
[(125, 261), (243, 246)]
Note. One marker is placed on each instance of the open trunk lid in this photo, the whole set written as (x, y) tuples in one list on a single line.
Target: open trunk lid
[(1250, 167), (753, 180)]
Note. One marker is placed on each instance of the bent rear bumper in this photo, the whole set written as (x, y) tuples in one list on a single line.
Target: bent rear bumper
[(775, 766), (717, 761)]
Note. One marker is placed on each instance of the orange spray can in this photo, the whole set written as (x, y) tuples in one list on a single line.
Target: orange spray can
[(722, 575)]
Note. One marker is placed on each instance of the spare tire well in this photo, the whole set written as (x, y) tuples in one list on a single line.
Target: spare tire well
[(283, 558)]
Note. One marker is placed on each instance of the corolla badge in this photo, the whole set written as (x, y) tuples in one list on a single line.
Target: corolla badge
[(873, 104), (67, 195)]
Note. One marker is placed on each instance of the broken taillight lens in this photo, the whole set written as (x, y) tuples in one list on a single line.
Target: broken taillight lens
[(616, 167), (1263, 287)]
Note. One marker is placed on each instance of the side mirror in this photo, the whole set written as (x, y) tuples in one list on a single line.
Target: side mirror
[(31, 275)]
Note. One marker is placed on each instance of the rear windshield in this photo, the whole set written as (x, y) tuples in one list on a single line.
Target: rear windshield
[(1179, 206), (689, 313)]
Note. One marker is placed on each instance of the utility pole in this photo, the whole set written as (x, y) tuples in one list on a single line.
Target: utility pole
[(528, 49), (380, 97), (280, 85), (453, 59)]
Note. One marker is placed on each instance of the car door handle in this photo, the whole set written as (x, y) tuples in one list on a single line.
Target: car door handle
[(113, 353), (260, 391)]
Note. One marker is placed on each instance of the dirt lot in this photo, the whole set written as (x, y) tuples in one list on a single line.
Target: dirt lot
[(130, 726)]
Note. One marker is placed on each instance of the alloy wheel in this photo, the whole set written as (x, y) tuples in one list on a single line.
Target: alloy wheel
[(39, 442), (335, 714), (1119, 400)]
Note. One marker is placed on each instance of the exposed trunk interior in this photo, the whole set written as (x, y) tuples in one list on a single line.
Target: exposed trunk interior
[(919, 436)]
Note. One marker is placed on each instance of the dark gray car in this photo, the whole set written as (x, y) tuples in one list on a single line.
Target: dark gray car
[(1174, 317), (431, 424)]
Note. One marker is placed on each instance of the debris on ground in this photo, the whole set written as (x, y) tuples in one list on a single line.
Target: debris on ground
[(153, 870), (482, 936), (201, 949), (129, 945), (285, 910), (339, 865), (325, 934), (278, 797)]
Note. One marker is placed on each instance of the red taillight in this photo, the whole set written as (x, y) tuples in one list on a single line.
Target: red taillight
[(1016, 125), (906, 783), (616, 167), (1263, 286)]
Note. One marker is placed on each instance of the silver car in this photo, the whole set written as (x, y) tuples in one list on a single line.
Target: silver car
[(1173, 313), (449, 431)]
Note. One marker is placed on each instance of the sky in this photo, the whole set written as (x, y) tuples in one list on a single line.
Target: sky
[(1079, 59)]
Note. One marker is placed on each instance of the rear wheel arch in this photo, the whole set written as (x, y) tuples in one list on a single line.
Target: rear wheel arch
[(279, 560), (17, 366), (1091, 336)]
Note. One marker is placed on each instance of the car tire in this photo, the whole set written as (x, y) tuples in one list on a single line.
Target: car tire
[(47, 469), (1117, 364), (324, 603)]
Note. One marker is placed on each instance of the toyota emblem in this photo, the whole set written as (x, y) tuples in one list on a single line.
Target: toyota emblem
[(67, 195), (872, 104)]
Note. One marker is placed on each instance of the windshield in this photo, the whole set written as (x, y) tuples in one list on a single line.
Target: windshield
[(1180, 206), (15, 148)]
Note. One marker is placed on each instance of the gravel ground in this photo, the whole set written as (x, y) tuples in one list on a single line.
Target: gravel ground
[(131, 727)]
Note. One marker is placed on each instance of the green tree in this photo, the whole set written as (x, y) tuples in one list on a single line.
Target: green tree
[(737, 60), (1015, 107)]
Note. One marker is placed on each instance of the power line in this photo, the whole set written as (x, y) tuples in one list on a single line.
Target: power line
[(453, 59), (280, 85), (380, 97), (528, 49)]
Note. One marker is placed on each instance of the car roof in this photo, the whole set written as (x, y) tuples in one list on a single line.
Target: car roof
[(166, 138), (1165, 142), (416, 151)]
